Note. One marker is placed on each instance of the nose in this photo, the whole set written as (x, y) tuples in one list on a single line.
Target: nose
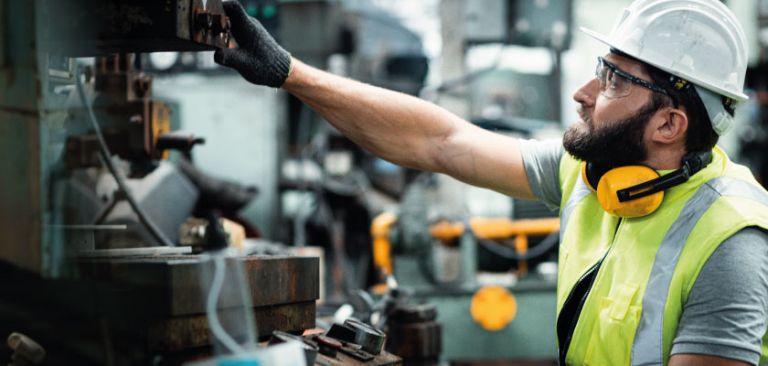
[(587, 93)]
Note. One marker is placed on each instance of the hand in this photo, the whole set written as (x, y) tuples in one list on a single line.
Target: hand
[(258, 58)]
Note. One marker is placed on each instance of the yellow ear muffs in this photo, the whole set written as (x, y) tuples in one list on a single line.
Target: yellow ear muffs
[(637, 190), (591, 173), (608, 182), (586, 177), (624, 177)]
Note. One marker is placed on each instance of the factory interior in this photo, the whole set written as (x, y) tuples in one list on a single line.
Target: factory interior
[(158, 209)]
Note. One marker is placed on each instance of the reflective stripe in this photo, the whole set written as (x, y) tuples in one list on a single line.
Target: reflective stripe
[(648, 345), (580, 191)]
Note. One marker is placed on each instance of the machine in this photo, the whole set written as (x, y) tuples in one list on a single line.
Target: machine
[(104, 212), (491, 280)]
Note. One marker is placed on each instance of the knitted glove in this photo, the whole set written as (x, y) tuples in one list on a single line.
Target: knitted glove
[(258, 58)]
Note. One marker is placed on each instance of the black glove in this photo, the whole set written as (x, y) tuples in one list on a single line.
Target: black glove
[(258, 58)]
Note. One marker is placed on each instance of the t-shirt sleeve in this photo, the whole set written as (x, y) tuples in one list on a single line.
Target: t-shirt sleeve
[(725, 314), (541, 160)]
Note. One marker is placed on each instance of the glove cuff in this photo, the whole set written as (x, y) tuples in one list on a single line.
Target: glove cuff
[(280, 67)]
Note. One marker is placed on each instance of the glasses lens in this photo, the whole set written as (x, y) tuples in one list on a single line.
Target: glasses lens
[(600, 73), (612, 85)]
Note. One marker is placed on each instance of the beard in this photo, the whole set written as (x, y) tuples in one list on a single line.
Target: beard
[(615, 144)]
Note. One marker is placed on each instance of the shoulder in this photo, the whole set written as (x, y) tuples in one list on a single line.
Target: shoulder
[(541, 160)]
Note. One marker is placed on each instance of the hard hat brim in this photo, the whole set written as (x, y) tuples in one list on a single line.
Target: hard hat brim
[(606, 40)]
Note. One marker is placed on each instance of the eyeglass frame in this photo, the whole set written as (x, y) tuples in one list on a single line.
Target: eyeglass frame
[(632, 78)]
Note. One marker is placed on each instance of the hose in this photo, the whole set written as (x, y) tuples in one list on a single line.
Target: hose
[(210, 307), (544, 246)]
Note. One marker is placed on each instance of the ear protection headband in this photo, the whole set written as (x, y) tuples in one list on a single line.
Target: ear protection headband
[(637, 190)]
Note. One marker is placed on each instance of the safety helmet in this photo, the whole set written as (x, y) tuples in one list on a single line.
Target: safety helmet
[(697, 40)]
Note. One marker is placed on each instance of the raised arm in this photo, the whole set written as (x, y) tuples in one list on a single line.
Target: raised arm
[(400, 128), (411, 132)]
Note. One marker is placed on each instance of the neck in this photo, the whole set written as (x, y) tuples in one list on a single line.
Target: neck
[(665, 158)]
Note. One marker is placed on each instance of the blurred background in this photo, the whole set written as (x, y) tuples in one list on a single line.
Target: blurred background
[(129, 157)]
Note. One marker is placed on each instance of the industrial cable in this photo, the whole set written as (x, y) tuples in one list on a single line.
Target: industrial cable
[(210, 307), (106, 157), (544, 246)]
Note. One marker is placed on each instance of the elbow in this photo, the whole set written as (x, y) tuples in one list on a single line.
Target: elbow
[(438, 155)]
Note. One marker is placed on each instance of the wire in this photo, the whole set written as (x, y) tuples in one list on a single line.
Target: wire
[(544, 246), (210, 307), (105, 155)]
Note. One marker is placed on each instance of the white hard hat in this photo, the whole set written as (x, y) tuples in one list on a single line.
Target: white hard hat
[(698, 40)]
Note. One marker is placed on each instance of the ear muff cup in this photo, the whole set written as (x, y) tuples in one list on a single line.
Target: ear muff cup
[(616, 179), (591, 174)]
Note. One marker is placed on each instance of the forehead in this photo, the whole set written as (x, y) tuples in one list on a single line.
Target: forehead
[(628, 65)]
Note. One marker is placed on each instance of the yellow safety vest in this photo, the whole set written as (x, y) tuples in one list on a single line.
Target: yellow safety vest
[(649, 264)]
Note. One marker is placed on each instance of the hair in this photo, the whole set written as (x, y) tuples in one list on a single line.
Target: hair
[(700, 135)]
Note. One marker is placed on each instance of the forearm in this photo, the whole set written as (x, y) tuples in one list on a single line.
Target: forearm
[(400, 128)]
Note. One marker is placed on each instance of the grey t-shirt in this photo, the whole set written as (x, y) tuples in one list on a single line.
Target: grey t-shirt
[(727, 309)]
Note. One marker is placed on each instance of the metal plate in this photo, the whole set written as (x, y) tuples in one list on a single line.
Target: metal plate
[(273, 280), (180, 333), (164, 293)]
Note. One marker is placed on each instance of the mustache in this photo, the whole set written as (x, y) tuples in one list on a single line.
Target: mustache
[(584, 116)]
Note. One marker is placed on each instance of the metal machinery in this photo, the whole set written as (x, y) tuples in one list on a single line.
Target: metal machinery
[(490, 310), (91, 266)]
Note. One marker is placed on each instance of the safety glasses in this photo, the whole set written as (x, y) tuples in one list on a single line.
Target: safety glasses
[(615, 83)]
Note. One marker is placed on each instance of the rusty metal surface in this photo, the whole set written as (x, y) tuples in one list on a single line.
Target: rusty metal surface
[(168, 307), (180, 333), (210, 25), (342, 359), (333, 352), (418, 342), (414, 334), (273, 279)]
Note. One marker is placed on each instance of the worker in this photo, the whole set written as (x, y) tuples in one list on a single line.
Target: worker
[(664, 250)]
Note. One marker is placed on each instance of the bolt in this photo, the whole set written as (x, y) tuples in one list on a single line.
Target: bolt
[(218, 23), (203, 20)]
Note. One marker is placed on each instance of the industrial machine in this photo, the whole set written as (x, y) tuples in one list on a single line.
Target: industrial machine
[(490, 280), (93, 270)]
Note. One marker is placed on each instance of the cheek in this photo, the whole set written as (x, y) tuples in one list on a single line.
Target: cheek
[(603, 110), (607, 110), (648, 132), (600, 116)]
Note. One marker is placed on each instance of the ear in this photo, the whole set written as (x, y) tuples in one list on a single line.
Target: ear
[(669, 125)]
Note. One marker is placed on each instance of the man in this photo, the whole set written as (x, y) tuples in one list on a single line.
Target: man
[(671, 271)]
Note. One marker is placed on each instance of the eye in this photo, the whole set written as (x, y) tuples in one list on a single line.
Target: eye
[(613, 81)]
